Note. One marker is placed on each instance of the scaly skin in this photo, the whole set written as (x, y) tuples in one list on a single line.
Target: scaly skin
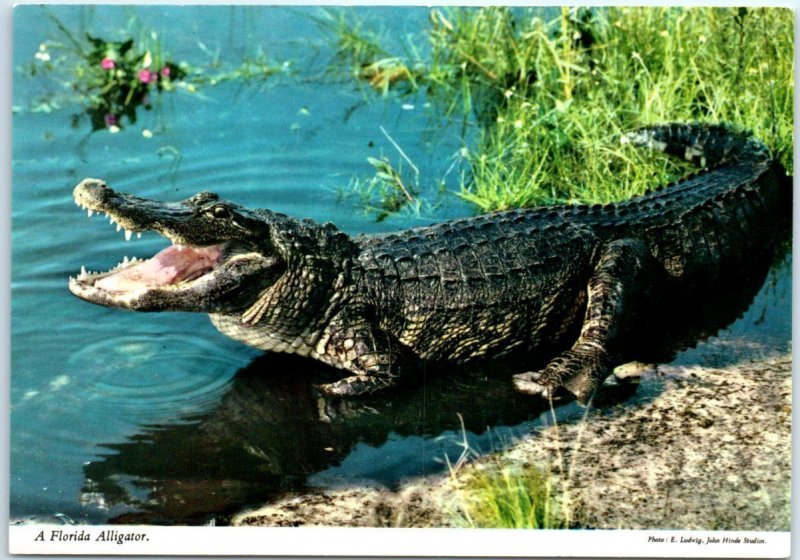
[(559, 285)]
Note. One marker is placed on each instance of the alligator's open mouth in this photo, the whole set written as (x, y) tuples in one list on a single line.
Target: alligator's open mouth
[(181, 276), (172, 267)]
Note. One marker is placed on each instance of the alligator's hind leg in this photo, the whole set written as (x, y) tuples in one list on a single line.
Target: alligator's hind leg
[(614, 290), (363, 348)]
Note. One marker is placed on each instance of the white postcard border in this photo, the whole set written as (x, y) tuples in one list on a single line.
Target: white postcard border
[(328, 541)]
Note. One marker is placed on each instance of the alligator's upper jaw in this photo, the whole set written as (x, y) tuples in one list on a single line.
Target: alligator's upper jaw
[(182, 277), (128, 212)]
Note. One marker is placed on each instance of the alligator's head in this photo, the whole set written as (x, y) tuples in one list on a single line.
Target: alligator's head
[(222, 257)]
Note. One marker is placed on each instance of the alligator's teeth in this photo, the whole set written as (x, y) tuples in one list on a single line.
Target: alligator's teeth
[(119, 227), (138, 235), (179, 246), (89, 212), (106, 214), (128, 234), (111, 220), (134, 259), (125, 260), (83, 272)]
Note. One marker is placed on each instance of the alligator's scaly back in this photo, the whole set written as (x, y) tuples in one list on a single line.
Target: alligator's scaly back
[(557, 286)]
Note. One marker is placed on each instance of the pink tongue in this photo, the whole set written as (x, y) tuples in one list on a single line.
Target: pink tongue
[(170, 266)]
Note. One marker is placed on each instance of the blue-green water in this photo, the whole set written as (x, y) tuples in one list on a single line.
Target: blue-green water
[(157, 417)]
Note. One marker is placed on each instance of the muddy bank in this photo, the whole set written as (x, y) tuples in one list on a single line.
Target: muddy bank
[(713, 451)]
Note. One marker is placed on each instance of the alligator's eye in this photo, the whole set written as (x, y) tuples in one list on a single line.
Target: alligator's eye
[(220, 212)]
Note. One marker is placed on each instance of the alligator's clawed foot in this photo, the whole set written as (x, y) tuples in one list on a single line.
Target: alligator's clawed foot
[(534, 383), (575, 371)]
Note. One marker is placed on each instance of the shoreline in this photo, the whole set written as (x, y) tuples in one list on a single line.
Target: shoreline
[(711, 452)]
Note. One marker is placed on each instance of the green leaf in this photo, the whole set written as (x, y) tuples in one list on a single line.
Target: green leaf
[(98, 43), (125, 47)]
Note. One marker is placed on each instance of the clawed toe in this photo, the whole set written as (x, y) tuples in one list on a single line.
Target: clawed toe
[(532, 383), (356, 386)]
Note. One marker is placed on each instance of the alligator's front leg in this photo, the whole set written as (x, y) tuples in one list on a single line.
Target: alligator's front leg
[(361, 347), (614, 291)]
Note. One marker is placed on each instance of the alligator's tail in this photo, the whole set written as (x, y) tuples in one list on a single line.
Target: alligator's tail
[(706, 145)]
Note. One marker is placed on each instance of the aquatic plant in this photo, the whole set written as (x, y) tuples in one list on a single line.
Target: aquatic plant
[(113, 79), (357, 52), (389, 190), (386, 192), (117, 79)]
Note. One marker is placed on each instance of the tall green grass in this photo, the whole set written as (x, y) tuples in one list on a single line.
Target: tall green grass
[(501, 493), (551, 97), (572, 93), (512, 497)]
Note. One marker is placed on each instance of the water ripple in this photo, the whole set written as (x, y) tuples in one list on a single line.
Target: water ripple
[(148, 376)]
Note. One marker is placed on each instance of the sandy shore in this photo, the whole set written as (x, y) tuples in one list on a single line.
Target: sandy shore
[(713, 451)]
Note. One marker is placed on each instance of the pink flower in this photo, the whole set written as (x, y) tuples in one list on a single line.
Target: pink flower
[(165, 72), (111, 120), (147, 77), (108, 63)]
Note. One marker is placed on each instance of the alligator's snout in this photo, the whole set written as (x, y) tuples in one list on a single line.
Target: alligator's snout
[(131, 213), (94, 195), (92, 191)]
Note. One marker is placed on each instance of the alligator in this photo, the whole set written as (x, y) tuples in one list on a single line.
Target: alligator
[(558, 288)]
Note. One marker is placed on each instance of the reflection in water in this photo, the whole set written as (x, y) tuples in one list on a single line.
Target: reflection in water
[(271, 431), (683, 324)]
